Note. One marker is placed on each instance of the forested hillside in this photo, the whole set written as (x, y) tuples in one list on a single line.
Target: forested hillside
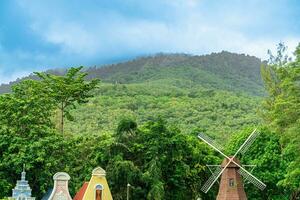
[(149, 100), (225, 71), (218, 113), (229, 71), (140, 126), (216, 93)]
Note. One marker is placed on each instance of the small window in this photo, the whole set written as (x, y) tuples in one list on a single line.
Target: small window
[(99, 187), (98, 192), (231, 182)]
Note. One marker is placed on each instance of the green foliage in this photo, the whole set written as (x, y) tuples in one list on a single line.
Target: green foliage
[(138, 126), (282, 113), (269, 160), (224, 71), (28, 136), (27, 110), (43, 157), (221, 71), (281, 58), (88, 152), (218, 113), (68, 90), (159, 162)]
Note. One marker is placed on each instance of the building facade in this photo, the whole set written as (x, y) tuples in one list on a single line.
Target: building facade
[(96, 189), (22, 191)]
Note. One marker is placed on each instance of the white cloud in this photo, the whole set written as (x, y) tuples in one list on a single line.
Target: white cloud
[(8, 77), (71, 36), (188, 26), (191, 32), (18, 63)]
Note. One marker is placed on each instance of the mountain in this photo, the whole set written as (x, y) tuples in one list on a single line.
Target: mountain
[(225, 71), (218, 94)]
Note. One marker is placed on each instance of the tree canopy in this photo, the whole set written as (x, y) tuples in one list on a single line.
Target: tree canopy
[(68, 90), (281, 111), (144, 133)]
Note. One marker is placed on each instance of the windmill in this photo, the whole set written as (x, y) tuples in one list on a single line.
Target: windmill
[(231, 170)]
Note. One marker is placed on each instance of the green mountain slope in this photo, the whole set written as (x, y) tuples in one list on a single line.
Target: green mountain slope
[(226, 71), (218, 113), (216, 93)]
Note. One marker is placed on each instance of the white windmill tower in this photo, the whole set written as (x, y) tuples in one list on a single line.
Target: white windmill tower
[(231, 170)]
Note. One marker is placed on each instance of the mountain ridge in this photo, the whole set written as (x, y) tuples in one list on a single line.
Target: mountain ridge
[(223, 70)]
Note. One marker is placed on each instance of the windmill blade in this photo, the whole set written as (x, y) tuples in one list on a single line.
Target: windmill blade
[(249, 177), (213, 168), (212, 179), (252, 137), (252, 179), (211, 143), (249, 166), (210, 182), (245, 146), (250, 171)]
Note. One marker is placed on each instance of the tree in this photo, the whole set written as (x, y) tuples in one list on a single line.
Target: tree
[(270, 164), (43, 157), (281, 110), (27, 135), (159, 162), (68, 90), (281, 58), (27, 110)]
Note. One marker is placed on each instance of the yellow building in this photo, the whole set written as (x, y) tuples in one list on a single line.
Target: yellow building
[(96, 189)]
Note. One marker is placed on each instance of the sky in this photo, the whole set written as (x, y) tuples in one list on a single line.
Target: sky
[(38, 35)]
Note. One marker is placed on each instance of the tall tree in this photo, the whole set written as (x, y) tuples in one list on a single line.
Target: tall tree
[(282, 112), (27, 135), (68, 90)]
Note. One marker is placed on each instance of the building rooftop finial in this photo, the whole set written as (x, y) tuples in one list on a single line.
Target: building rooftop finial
[(22, 189), (23, 174)]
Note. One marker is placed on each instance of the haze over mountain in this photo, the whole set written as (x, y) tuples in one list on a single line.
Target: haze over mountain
[(224, 70), (100, 32)]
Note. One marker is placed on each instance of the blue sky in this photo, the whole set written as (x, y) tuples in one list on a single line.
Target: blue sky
[(37, 35)]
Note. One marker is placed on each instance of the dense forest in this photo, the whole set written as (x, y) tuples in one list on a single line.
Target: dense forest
[(216, 93), (141, 121), (225, 71)]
